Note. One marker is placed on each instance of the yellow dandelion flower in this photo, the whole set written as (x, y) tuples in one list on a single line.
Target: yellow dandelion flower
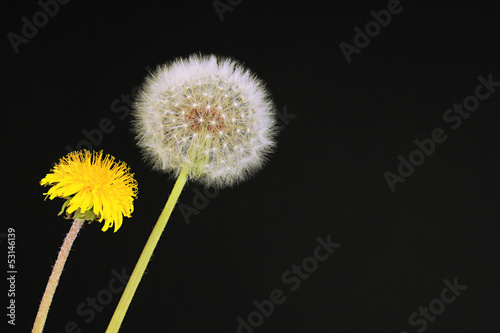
[(95, 187)]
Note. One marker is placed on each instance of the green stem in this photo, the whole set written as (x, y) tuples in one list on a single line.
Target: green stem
[(147, 252), (48, 295)]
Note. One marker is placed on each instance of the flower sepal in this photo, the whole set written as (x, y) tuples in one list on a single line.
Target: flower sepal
[(65, 204), (89, 215)]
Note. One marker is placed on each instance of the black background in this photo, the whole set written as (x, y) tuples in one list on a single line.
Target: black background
[(352, 121)]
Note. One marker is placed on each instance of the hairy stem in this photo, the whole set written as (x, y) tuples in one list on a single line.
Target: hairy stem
[(48, 295)]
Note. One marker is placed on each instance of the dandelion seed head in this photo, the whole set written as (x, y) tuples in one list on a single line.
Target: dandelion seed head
[(207, 114)]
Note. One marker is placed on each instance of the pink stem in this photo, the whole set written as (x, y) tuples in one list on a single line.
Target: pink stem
[(48, 295)]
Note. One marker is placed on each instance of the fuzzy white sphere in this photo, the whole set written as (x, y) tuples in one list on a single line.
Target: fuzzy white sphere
[(207, 114)]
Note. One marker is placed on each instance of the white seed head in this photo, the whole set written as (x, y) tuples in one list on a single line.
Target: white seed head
[(207, 114)]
